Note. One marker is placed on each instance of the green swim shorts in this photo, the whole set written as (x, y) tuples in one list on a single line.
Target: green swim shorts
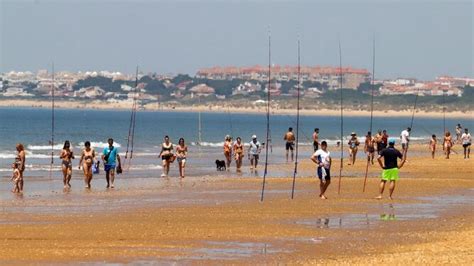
[(390, 174)]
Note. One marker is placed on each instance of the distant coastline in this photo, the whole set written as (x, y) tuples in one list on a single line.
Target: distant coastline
[(224, 107)]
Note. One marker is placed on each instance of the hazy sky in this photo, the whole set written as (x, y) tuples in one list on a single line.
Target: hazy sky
[(420, 39)]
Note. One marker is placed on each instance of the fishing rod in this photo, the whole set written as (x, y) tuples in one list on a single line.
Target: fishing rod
[(131, 128), (297, 121), (268, 113), (372, 85), (230, 121), (52, 120), (342, 118), (134, 114)]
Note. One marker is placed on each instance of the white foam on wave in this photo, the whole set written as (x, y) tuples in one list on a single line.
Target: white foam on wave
[(98, 144), (80, 145)]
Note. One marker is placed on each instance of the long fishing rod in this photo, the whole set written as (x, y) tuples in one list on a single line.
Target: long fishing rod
[(444, 112), (372, 85), (268, 113), (342, 118), (230, 121), (297, 122), (134, 114), (52, 120)]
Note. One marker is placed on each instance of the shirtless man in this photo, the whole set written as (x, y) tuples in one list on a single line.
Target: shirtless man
[(378, 138), (290, 143), (316, 139), (369, 147)]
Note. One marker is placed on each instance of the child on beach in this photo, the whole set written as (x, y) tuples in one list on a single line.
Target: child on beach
[(323, 160), (16, 178), (433, 142)]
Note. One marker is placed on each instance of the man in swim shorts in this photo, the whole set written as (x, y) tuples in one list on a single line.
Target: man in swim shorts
[(316, 139), (466, 140), (390, 167), (110, 157), (290, 143)]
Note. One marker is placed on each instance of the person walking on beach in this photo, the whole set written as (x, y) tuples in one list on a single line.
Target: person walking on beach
[(466, 143), (378, 139), (316, 139), (390, 167), (323, 160), (353, 147), (405, 139), (458, 133), (447, 143), (16, 178), (67, 155), (181, 153), (238, 153), (228, 151), (369, 147), (167, 156), (254, 152), (290, 143), (110, 157), (433, 143), (86, 162), (20, 160)]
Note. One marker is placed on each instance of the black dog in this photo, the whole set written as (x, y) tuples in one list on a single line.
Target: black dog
[(220, 165)]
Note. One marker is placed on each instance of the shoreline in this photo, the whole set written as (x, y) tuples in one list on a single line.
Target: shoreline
[(225, 107)]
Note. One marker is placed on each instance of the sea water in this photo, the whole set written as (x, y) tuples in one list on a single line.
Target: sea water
[(33, 128)]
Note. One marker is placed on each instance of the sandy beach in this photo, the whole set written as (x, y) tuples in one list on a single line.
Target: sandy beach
[(207, 220), (225, 107)]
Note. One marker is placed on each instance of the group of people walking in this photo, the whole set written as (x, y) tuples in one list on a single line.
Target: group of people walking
[(234, 151)]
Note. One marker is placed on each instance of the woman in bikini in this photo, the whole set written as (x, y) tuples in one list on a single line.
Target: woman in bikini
[(20, 162), (239, 152), (167, 156), (447, 143), (433, 142), (67, 155), (228, 151), (87, 160), (181, 152), (353, 147)]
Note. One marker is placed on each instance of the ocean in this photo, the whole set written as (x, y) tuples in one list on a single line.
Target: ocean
[(32, 127)]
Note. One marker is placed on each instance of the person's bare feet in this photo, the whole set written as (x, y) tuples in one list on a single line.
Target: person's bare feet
[(323, 197), (390, 197), (379, 197)]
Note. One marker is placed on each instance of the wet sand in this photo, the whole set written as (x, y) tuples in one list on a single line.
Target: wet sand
[(206, 220)]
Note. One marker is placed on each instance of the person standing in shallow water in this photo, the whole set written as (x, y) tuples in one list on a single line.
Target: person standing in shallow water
[(390, 167), (290, 143), (20, 160), (86, 162), (110, 157), (66, 165)]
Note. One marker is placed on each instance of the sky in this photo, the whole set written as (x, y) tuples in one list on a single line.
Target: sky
[(421, 39)]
